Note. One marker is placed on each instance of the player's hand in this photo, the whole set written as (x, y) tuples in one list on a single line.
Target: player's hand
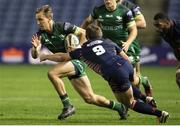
[(42, 57), (125, 46), (36, 41)]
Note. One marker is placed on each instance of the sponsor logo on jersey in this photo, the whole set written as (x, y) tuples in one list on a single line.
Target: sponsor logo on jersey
[(119, 18), (109, 15), (100, 19)]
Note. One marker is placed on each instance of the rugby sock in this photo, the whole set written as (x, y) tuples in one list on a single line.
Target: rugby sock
[(144, 81), (116, 106), (145, 108), (65, 100), (147, 86), (137, 94)]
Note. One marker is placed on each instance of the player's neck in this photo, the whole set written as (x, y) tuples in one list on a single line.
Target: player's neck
[(50, 26)]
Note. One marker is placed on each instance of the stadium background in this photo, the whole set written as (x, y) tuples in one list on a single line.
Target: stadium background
[(26, 95), (17, 24)]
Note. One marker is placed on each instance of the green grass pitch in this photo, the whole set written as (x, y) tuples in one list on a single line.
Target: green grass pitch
[(27, 97)]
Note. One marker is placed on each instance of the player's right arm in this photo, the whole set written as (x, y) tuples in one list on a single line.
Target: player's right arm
[(57, 57), (36, 46)]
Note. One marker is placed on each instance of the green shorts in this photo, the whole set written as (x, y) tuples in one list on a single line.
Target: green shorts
[(80, 67), (134, 53)]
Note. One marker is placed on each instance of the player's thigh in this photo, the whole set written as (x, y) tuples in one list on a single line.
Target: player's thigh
[(63, 69), (125, 97), (83, 86)]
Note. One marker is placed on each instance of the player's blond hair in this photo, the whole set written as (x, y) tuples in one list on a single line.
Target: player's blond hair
[(46, 10)]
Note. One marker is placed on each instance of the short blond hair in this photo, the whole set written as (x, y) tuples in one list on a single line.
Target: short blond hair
[(46, 10)]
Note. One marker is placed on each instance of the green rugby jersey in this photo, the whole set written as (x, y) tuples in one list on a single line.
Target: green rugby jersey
[(54, 41), (114, 24)]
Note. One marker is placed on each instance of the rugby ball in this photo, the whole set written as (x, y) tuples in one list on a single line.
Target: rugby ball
[(72, 41)]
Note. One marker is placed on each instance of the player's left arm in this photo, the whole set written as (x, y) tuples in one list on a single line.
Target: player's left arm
[(139, 18), (132, 30), (57, 57), (81, 33)]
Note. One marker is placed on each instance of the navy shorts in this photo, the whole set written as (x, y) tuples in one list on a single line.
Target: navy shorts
[(119, 76)]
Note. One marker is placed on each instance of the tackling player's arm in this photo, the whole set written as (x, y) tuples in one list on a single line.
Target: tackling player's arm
[(36, 46), (57, 57)]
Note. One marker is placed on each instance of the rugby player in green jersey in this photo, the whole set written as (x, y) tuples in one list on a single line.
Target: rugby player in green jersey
[(135, 56), (52, 35), (117, 24)]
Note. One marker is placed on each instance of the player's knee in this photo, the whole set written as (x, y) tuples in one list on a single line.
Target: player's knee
[(89, 99), (51, 74)]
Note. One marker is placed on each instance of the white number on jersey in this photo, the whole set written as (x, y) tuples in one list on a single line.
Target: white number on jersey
[(99, 50)]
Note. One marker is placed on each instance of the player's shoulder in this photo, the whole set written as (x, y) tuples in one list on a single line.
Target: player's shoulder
[(123, 8), (107, 41)]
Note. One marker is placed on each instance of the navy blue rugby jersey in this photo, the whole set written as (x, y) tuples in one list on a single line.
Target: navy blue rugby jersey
[(99, 54)]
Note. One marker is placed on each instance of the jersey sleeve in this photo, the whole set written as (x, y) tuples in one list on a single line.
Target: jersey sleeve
[(76, 54), (136, 12), (129, 19), (69, 28)]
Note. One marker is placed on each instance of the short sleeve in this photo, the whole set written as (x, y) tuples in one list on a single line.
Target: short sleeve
[(69, 28), (129, 19)]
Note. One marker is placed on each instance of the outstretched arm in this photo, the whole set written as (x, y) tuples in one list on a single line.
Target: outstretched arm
[(57, 57)]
